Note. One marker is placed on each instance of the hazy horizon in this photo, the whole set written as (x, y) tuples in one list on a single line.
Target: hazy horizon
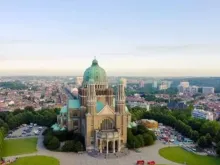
[(128, 38)]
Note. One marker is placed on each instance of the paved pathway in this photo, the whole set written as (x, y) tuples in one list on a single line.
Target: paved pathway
[(147, 153)]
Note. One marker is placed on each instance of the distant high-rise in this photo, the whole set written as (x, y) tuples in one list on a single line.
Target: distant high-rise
[(165, 85), (183, 87), (184, 84), (193, 89), (141, 84), (208, 90), (79, 81), (154, 84)]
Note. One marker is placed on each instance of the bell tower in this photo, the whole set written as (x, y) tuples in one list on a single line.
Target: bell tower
[(120, 98), (91, 97)]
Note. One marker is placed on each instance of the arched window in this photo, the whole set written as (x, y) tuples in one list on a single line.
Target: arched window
[(107, 124)]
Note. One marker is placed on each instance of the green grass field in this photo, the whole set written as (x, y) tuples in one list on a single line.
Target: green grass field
[(179, 155), (14, 147), (36, 160)]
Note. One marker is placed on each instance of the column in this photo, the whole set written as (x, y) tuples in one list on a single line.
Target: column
[(107, 147), (96, 140), (119, 145), (114, 146), (100, 145)]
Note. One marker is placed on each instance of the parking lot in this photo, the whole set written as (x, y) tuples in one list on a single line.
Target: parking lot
[(168, 135), (25, 131)]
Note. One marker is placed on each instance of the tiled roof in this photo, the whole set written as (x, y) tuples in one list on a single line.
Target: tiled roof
[(63, 109), (99, 106), (74, 104), (56, 127)]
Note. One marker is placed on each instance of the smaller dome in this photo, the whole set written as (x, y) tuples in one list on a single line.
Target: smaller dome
[(74, 90), (91, 81), (94, 62), (121, 81)]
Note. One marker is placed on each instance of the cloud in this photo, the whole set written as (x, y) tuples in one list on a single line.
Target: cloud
[(14, 41), (183, 49)]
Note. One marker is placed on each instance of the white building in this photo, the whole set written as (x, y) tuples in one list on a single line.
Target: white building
[(133, 104), (79, 81), (184, 84), (201, 114), (141, 84), (208, 90), (169, 83), (154, 85), (165, 85), (193, 89)]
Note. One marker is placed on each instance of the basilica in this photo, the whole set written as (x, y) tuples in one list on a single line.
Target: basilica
[(98, 113)]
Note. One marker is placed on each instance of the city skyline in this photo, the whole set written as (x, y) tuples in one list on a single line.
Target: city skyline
[(128, 38)]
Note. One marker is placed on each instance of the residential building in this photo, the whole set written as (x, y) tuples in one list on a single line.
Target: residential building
[(79, 81), (184, 84), (154, 85), (173, 105), (202, 114), (193, 89), (208, 90), (144, 104), (163, 87), (141, 84)]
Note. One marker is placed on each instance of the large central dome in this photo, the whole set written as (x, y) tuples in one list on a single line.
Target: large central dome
[(96, 73)]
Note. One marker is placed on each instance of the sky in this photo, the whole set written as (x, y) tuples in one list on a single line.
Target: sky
[(128, 37)]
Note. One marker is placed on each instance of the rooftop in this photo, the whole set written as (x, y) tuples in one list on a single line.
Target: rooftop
[(74, 104)]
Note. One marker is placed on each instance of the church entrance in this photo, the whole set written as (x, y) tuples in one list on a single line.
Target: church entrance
[(116, 146), (110, 147)]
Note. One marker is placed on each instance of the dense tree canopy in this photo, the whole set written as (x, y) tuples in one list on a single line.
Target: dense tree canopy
[(202, 131), (28, 115), (17, 85), (140, 136)]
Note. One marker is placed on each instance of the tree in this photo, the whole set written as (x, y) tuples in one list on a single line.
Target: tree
[(141, 140), (47, 139), (211, 127), (130, 139), (141, 129), (208, 140), (29, 108), (195, 135), (148, 139), (2, 136), (53, 143), (202, 142), (152, 134), (136, 143), (68, 146), (218, 149), (78, 146), (217, 138)]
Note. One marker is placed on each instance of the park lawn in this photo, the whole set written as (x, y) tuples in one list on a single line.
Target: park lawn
[(179, 155), (36, 160), (14, 147)]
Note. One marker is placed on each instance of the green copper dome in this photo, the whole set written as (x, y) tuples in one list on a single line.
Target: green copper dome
[(95, 73)]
